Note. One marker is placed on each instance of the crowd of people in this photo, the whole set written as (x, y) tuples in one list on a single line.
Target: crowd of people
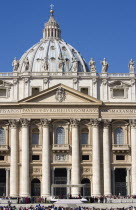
[(101, 199), (52, 207)]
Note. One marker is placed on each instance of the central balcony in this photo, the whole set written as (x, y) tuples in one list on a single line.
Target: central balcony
[(4, 148), (120, 148), (60, 147)]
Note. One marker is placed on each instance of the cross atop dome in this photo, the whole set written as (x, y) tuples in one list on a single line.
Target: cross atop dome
[(52, 10)]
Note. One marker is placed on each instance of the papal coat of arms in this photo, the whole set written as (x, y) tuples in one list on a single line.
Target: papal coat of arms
[(60, 94)]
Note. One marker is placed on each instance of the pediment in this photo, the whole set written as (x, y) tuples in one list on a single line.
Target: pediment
[(61, 94), (5, 84), (119, 84)]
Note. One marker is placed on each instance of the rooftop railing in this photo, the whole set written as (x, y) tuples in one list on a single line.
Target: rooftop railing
[(68, 74)]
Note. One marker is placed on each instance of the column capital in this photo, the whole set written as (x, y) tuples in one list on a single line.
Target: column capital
[(25, 122), (13, 123), (132, 123), (95, 122), (74, 122), (106, 123), (45, 122)]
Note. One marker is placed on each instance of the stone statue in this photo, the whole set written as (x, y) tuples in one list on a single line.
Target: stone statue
[(131, 66), (75, 65), (26, 62), (60, 63), (15, 64), (105, 65), (45, 64), (92, 65)]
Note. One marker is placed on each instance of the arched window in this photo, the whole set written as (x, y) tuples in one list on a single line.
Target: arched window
[(60, 135), (35, 136), (84, 136), (119, 136), (2, 136)]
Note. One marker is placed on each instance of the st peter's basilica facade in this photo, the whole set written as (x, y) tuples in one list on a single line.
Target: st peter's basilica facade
[(64, 128)]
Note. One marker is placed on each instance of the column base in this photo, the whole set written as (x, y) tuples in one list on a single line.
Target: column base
[(75, 191), (25, 195), (14, 195), (97, 195), (107, 194)]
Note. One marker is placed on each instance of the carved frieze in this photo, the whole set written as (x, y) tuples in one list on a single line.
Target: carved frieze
[(60, 157), (60, 94), (36, 170)]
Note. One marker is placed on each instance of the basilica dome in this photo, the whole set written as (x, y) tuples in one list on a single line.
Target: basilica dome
[(51, 54)]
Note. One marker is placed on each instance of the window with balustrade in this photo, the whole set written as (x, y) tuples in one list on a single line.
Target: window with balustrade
[(119, 136), (84, 136), (35, 136), (2, 136), (60, 135)]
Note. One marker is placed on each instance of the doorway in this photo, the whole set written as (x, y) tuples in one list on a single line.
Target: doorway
[(120, 181), (35, 187)]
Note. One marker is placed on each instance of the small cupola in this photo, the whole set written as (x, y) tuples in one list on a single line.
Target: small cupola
[(51, 28)]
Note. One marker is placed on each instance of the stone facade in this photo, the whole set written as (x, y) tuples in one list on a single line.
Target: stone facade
[(66, 126)]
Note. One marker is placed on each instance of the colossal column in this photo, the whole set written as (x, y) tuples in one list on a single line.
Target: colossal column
[(75, 178), (106, 158), (14, 160), (96, 158), (25, 180), (46, 184), (133, 155)]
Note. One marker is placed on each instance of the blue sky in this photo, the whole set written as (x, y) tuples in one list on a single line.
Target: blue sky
[(96, 28)]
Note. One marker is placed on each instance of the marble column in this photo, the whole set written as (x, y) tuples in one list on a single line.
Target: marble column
[(7, 181), (14, 159), (106, 158), (96, 158), (75, 178), (46, 179), (133, 156), (25, 179), (128, 181)]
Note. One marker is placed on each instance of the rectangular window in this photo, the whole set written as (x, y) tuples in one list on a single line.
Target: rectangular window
[(84, 90), (118, 93), (85, 157), (1, 157), (35, 157), (3, 92), (120, 157), (35, 90)]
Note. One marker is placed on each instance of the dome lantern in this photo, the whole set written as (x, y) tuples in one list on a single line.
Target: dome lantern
[(51, 28)]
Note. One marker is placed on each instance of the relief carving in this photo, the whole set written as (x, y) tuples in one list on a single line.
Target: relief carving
[(60, 94)]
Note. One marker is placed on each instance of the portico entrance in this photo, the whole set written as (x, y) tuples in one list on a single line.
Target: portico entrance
[(87, 189), (35, 187), (120, 181), (60, 177)]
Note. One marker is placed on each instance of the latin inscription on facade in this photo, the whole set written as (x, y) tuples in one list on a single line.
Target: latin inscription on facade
[(48, 110)]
